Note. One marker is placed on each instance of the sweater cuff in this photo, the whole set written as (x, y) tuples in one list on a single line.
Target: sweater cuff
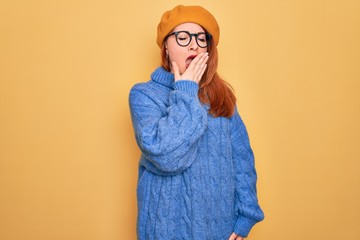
[(187, 86), (243, 226)]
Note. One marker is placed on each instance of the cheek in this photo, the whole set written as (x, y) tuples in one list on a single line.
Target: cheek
[(175, 51), (172, 55), (203, 50), (178, 56)]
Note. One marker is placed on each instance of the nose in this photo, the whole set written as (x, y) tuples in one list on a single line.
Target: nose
[(193, 44)]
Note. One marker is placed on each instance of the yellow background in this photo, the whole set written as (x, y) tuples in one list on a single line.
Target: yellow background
[(68, 158)]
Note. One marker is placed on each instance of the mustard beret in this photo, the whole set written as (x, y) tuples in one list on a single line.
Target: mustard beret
[(183, 14)]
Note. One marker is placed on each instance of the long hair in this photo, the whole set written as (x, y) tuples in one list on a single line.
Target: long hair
[(213, 90)]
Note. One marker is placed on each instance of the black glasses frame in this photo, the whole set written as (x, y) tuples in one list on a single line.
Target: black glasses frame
[(207, 36)]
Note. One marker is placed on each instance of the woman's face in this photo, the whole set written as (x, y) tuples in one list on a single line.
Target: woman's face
[(184, 55)]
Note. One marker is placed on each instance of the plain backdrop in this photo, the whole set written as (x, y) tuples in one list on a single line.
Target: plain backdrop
[(68, 157)]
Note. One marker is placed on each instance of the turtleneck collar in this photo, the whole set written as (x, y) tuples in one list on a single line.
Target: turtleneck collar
[(160, 75)]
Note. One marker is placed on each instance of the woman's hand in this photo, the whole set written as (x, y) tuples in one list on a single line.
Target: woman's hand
[(195, 70), (235, 237)]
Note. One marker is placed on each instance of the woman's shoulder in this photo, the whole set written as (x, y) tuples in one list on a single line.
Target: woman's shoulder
[(143, 90), (147, 92), (160, 82), (142, 86)]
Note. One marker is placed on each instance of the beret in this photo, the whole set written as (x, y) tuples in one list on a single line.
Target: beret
[(183, 14)]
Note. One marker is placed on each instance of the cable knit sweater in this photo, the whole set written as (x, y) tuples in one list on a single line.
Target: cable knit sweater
[(197, 178)]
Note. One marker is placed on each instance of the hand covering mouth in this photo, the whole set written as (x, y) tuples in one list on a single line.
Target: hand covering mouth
[(189, 60)]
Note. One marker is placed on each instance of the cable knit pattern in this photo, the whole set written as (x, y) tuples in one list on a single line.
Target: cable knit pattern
[(197, 178)]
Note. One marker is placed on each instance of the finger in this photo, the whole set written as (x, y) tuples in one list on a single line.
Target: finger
[(202, 71), (203, 64), (233, 236), (200, 66), (196, 62), (175, 68), (204, 58), (239, 238), (203, 67), (203, 61)]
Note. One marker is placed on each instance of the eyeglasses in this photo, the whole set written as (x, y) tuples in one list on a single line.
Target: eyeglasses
[(183, 38)]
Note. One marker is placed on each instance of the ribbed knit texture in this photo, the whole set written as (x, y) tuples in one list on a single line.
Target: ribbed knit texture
[(197, 178)]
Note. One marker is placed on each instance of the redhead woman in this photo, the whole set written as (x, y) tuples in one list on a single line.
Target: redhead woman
[(197, 177)]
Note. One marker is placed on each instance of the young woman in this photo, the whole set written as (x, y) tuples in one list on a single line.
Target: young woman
[(197, 178)]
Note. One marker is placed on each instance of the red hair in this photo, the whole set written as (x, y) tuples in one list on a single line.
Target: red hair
[(213, 90)]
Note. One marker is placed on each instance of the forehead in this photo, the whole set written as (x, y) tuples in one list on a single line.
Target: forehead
[(190, 27)]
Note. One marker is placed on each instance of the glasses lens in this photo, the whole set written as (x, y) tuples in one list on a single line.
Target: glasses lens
[(202, 40), (183, 38)]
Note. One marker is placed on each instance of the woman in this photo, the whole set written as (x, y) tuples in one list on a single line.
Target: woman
[(197, 178)]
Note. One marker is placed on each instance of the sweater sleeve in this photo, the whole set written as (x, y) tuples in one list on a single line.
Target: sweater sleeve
[(168, 136), (246, 204)]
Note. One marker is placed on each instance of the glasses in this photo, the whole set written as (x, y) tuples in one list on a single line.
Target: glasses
[(183, 38)]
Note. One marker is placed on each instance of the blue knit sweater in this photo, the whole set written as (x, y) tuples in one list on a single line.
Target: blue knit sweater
[(197, 178)]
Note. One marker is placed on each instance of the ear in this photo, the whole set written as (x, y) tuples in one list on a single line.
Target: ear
[(166, 50)]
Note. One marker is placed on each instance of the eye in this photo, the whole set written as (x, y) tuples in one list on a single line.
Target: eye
[(182, 36), (202, 37)]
